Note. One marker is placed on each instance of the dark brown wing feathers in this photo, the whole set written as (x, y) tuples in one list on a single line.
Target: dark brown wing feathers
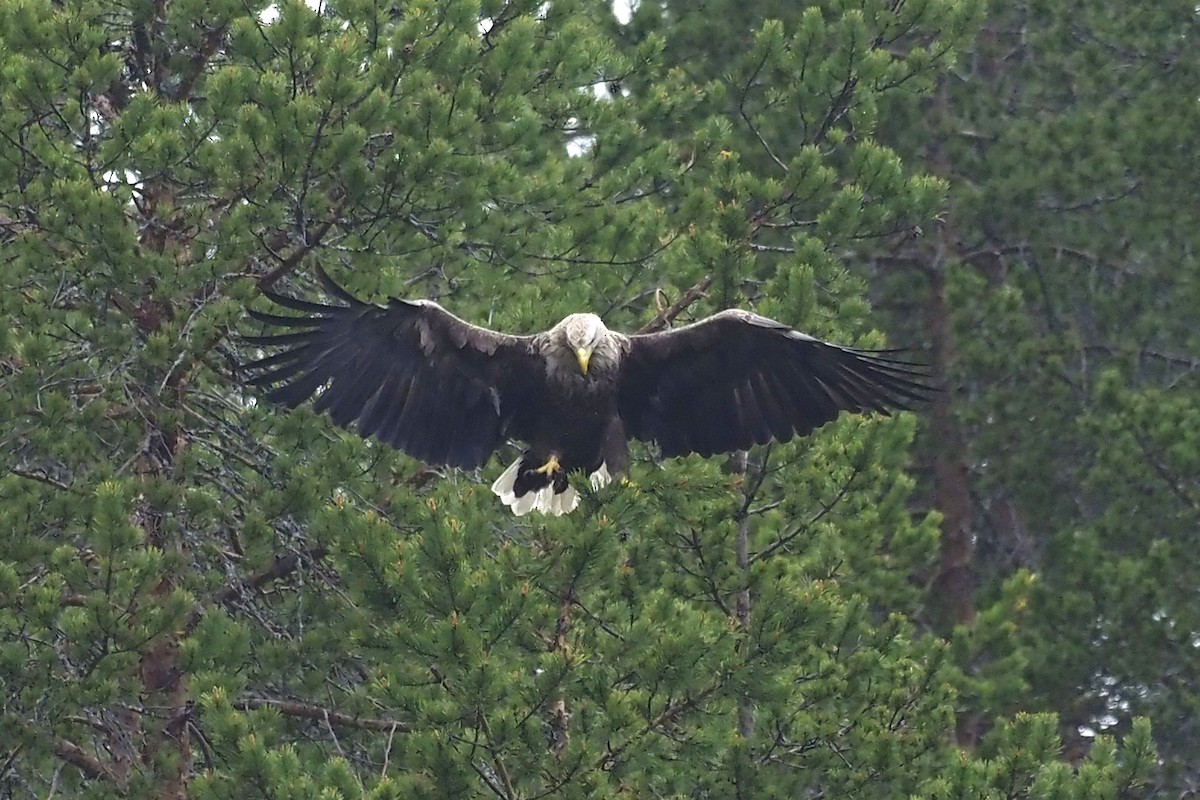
[(409, 374), (737, 379), (424, 381)]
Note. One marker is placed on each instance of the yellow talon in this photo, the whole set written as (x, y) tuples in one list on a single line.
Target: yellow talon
[(550, 467)]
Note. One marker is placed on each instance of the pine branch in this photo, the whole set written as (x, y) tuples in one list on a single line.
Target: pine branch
[(197, 63), (280, 567), (84, 761), (668, 314), (665, 717), (745, 115), (826, 508), (746, 709), (295, 708), (40, 477), (559, 716), (311, 242), (506, 781)]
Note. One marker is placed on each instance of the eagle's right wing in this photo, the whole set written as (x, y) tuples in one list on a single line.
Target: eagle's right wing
[(410, 374), (737, 378)]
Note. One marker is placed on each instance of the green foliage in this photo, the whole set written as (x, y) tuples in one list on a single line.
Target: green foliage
[(202, 596), (1067, 267), (1018, 760)]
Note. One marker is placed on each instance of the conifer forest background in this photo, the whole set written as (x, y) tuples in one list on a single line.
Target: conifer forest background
[(993, 597)]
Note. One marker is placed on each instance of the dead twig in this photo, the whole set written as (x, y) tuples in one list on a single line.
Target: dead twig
[(295, 708), (668, 314)]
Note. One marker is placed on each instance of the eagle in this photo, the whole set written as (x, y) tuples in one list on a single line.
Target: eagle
[(416, 377)]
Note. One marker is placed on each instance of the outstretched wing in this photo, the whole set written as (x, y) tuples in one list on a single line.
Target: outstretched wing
[(410, 374), (737, 379)]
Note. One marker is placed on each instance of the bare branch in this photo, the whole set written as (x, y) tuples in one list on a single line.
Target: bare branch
[(280, 567), (84, 761), (826, 508), (668, 315), (510, 791), (295, 708), (745, 115), (40, 477), (312, 241), (668, 715)]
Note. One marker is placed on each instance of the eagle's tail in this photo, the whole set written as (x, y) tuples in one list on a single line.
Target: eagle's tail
[(523, 489)]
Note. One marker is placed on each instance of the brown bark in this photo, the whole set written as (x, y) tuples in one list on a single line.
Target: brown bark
[(160, 724), (340, 719), (559, 716), (742, 555), (953, 587), (746, 711), (667, 315), (84, 761)]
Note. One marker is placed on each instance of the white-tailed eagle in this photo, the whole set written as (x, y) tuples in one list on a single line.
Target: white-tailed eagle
[(415, 376)]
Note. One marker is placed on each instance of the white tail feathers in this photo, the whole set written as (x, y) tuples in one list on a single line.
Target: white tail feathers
[(545, 499), (600, 478)]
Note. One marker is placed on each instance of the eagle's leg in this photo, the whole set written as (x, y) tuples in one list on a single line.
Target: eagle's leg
[(551, 467), (524, 488)]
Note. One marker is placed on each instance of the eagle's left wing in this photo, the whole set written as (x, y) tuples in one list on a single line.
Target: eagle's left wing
[(736, 379), (410, 374)]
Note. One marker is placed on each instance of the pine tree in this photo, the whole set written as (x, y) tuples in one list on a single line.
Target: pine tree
[(1059, 293), (201, 596)]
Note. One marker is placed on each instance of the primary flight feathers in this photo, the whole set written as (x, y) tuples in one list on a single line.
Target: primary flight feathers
[(415, 376)]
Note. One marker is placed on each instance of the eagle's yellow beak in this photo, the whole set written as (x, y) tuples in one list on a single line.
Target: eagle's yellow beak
[(584, 354)]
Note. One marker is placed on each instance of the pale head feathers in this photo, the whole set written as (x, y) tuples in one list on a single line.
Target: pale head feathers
[(583, 331), (581, 347)]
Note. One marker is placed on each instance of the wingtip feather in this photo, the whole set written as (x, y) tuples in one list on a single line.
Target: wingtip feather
[(334, 288)]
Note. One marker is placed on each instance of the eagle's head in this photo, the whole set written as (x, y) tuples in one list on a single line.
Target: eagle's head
[(583, 334)]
